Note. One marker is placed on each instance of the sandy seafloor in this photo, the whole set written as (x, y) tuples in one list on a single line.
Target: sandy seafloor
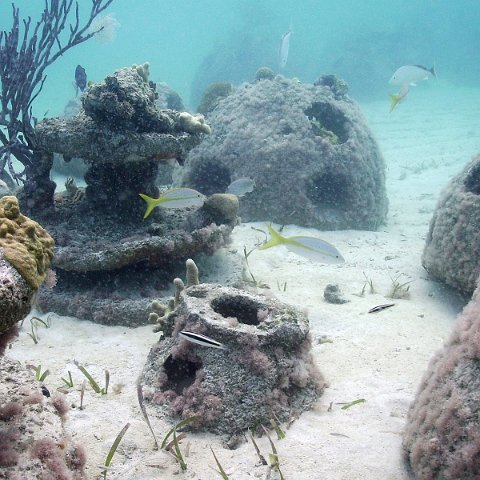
[(378, 357)]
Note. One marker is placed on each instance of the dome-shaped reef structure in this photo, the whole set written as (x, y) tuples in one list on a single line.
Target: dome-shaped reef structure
[(452, 250), (307, 147)]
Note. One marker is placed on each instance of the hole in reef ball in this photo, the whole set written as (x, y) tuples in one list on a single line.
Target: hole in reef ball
[(472, 180), (328, 121), (243, 308), (180, 374), (328, 189), (209, 178)]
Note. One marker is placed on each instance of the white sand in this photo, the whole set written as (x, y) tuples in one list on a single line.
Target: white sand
[(378, 357)]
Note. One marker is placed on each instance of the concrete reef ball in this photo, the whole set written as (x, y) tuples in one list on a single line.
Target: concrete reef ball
[(452, 250), (265, 369), (442, 436), (308, 148)]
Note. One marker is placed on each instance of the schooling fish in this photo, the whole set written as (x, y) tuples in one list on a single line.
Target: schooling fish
[(201, 340), (284, 47), (309, 247), (80, 78), (411, 74), (174, 198), (400, 96), (241, 186)]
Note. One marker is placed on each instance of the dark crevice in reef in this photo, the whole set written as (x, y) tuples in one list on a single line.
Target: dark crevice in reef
[(472, 180), (329, 189), (180, 373), (242, 308), (210, 178), (328, 121)]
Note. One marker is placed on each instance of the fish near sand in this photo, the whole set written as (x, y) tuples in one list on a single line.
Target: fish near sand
[(174, 198), (80, 78), (399, 97), (411, 74), (284, 47), (241, 186), (309, 247), (201, 340), (380, 308)]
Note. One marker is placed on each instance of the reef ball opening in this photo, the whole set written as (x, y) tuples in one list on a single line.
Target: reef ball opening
[(327, 120), (472, 180), (242, 308), (180, 374), (329, 189), (210, 178)]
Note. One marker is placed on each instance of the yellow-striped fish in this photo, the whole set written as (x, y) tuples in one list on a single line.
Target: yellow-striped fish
[(174, 198), (309, 247), (399, 97)]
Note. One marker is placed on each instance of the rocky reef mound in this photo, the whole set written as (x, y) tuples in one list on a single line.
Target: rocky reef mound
[(109, 261), (452, 250), (308, 148), (263, 371)]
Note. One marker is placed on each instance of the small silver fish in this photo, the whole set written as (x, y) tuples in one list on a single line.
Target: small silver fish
[(201, 340), (284, 47), (3, 185), (241, 186), (379, 308)]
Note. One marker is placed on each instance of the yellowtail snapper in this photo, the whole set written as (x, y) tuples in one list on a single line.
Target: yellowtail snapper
[(201, 340), (174, 198), (309, 247), (400, 96)]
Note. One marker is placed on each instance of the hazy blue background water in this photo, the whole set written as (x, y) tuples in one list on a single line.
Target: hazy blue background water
[(190, 43)]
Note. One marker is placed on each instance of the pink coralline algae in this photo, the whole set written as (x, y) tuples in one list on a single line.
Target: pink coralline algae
[(452, 251), (442, 437), (265, 369)]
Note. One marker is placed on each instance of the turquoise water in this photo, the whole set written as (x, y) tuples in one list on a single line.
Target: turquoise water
[(425, 141), (190, 43)]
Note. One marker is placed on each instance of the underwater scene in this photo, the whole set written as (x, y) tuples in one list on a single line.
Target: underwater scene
[(239, 240)]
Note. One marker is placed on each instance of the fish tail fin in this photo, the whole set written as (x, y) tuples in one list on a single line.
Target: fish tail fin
[(275, 239), (151, 204), (432, 71), (394, 99)]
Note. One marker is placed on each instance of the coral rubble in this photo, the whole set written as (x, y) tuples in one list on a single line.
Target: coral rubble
[(308, 148), (265, 371), (452, 250)]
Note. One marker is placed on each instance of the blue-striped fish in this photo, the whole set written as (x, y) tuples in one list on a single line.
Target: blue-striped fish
[(200, 339)]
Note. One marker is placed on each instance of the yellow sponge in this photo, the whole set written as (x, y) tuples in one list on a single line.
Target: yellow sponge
[(26, 245)]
